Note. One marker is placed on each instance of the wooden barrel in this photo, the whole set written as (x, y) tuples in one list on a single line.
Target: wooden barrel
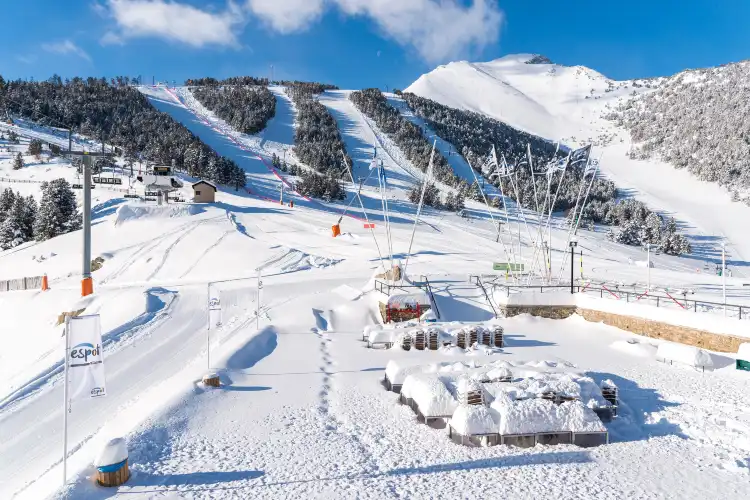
[(113, 475), (212, 380), (433, 341), (419, 340), (112, 464), (498, 334)]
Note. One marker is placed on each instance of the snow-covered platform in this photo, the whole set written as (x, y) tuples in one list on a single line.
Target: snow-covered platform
[(520, 404)]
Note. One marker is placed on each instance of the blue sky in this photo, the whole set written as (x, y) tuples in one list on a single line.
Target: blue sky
[(361, 43)]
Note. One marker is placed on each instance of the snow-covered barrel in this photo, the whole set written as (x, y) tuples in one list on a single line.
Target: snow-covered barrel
[(112, 463), (212, 379)]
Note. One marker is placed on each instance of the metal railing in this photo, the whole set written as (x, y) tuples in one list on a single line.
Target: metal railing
[(386, 288), (653, 298)]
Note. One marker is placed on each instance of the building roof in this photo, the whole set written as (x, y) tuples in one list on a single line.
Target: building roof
[(207, 183)]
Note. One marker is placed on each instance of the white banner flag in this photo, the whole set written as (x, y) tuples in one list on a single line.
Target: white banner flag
[(84, 358), (214, 312)]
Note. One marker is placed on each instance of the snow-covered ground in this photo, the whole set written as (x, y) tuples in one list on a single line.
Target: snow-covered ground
[(301, 413)]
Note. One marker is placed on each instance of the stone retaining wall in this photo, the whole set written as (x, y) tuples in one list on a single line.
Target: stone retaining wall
[(641, 326), (550, 312), (665, 331)]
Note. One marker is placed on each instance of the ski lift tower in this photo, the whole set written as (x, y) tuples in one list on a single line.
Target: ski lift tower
[(87, 284)]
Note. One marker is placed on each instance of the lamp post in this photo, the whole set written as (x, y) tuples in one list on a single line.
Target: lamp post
[(573, 245)]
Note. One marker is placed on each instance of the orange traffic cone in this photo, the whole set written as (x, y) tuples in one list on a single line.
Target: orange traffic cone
[(45, 283)]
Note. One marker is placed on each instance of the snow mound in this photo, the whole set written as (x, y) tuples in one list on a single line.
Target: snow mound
[(471, 420), (743, 352), (131, 212), (430, 394), (685, 354), (634, 348), (291, 260), (114, 452)]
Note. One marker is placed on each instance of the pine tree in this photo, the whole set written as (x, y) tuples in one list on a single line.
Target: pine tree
[(7, 198), (12, 231), (58, 212), (18, 163), (35, 147)]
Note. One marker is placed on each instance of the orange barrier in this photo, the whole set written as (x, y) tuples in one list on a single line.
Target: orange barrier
[(336, 230), (369, 226), (87, 287), (45, 283)]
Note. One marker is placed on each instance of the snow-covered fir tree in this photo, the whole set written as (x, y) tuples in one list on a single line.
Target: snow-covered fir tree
[(17, 227), (35, 147), (58, 211), (18, 163), (7, 198)]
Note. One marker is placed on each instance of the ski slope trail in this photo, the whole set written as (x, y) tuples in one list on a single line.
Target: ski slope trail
[(130, 373)]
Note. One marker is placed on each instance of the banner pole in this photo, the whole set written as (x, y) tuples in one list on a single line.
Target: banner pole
[(65, 401), (208, 329)]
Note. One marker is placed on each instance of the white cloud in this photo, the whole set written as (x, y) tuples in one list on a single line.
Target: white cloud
[(66, 47), (30, 59), (112, 38), (436, 29), (175, 22), (287, 16)]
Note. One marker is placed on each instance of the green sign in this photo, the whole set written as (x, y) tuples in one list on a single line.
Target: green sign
[(743, 365), (507, 266)]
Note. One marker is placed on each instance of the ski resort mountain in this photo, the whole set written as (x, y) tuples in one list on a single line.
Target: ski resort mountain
[(575, 105), (271, 288)]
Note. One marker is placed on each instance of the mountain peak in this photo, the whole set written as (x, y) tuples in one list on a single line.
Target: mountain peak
[(539, 59)]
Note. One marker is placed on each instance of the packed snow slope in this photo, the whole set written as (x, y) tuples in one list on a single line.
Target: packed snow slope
[(568, 104)]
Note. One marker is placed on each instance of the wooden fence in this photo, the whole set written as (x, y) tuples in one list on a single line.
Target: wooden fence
[(32, 283)]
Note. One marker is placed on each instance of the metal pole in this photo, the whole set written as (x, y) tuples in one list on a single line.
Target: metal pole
[(648, 265), (724, 275), (572, 265), (208, 329), (65, 402), (70, 140), (257, 313), (87, 286)]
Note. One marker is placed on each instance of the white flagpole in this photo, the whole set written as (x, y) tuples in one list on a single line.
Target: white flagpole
[(208, 329), (364, 212), (65, 401), (257, 311), (385, 217), (387, 213), (489, 212), (428, 173), (583, 206)]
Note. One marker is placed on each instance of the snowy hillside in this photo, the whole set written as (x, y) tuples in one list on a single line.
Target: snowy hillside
[(300, 412), (569, 104)]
